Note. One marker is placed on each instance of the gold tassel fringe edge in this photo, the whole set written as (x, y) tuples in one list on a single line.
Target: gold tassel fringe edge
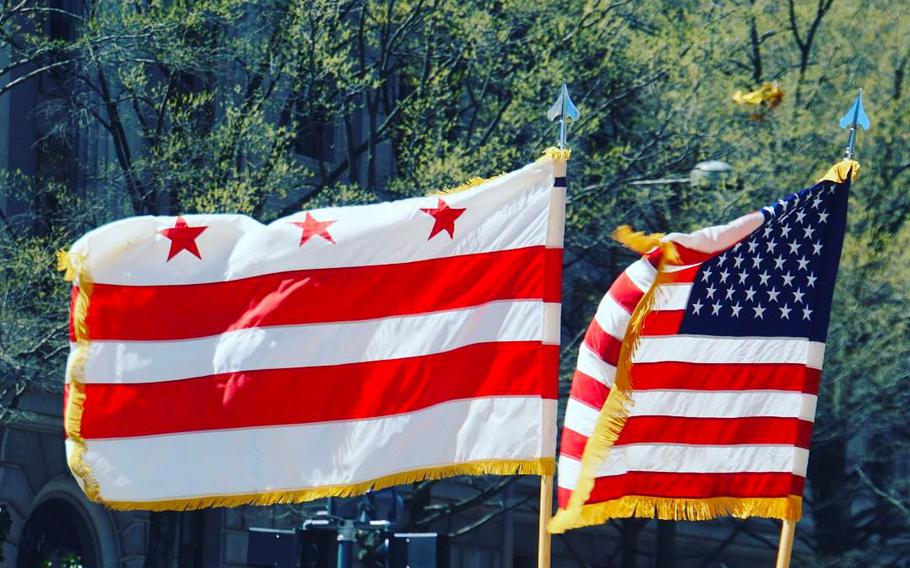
[(544, 466), (553, 153), (669, 509), (838, 172), (75, 267), (615, 410)]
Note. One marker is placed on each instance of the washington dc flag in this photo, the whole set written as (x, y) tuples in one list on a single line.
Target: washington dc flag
[(217, 361), (695, 389)]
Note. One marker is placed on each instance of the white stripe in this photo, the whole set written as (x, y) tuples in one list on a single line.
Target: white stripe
[(580, 417), (680, 267), (611, 317), (671, 296), (723, 404), (715, 239), (245, 461), (709, 349), (595, 367), (507, 212), (315, 344), (683, 458), (642, 274)]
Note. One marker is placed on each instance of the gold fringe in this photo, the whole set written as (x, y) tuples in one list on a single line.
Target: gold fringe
[(552, 153), (64, 265), (769, 93), (543, 466), (470, 184), (615, 410), (76, 267), (838, 172), (641, 243), (669, 509), (557, 154)]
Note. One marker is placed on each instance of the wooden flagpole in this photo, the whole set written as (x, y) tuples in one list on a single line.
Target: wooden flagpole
[(785, 548), (564, 110), (546, 511)]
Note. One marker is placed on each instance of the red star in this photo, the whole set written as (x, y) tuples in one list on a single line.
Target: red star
[(445, 219), (313, 228), (183, 237)]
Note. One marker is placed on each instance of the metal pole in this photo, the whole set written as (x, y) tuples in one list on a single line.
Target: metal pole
[(346, 538)]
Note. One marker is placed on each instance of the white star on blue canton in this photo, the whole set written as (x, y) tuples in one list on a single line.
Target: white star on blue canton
[(806, 313), (743, 276), (715, 309), (798, 296), (723, 276), (696, 307), (759, 311), (779, 263), (706, 274), (773, 294), (800, 215), (730, 292), (750, 293), (764, 278), (812, 280), (756, 261), (794, 247), (785, 231), (752, 245), (736, 307), (816, 248), (823, 217), (771, 244), (803, 263), (808, 231), (737, 260), (710, 291), (785, 312), (788, 280)]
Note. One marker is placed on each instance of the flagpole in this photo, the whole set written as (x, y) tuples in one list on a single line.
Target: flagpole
[(564, 110), (855, 119), (785, 549)]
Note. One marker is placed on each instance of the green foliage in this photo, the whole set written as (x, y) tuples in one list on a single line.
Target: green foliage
[(205, 104)]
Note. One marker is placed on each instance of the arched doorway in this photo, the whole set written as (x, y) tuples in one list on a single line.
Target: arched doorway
[(57, 535)]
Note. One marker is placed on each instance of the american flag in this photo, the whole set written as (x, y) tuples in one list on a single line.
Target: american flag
[(724, 375), (217, 361)]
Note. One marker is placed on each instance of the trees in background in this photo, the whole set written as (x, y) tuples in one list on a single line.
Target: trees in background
[(268, 106)]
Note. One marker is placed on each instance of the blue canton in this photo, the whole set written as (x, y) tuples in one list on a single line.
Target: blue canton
[(778, 281)]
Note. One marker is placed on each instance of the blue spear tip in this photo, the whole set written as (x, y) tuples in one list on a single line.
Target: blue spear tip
[(563, 107), (856, 115)]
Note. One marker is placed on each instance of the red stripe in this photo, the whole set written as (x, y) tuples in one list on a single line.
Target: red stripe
[(323, 295), (572, 443), (588, 390), (691, 256), (318, 394), (663, 322), (716, 431), (692, 485), (602, 343), (679, 276), (725, 376), (625, 292), (706, 431)]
